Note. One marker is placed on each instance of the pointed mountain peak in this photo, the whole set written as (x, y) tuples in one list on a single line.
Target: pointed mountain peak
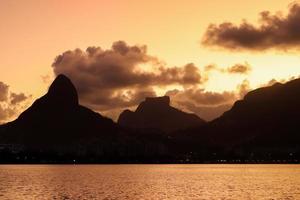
[(62, 90), (60, 80)]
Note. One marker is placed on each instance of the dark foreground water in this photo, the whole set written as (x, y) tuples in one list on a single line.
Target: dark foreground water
[(149, 182)]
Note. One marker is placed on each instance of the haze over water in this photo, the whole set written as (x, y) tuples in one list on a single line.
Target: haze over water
[(149, 182)]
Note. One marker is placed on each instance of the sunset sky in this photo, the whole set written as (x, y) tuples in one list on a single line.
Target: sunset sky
[(158, 47)]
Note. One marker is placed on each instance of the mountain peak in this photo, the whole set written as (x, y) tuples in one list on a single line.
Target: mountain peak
[(165, 100), (154, 102), (62, 90), (156, 113)]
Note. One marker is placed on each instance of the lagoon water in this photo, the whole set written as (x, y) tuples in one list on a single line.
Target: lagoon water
[(149, 182)]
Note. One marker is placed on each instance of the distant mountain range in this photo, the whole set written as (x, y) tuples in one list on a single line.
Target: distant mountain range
[(263, 127)]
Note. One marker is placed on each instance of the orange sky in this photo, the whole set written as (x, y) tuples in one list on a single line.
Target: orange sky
[(34, 32)]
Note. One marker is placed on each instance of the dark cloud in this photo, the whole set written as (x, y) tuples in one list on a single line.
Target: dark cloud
[(275, 31), (235, 69), (121, 76)]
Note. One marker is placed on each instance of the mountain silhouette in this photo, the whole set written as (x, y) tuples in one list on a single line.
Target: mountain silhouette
[(271, 113), (262, 125), (57, 119), (55, 128), (156, 113), (63, 92)]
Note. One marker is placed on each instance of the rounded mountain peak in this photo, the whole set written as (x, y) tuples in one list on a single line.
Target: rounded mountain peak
[(63, 91), (164, 100), (151, 103)]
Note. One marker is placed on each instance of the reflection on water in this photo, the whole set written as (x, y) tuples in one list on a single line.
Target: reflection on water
[(149, 182)]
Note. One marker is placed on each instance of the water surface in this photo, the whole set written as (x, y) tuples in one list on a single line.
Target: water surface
[(149, 182)]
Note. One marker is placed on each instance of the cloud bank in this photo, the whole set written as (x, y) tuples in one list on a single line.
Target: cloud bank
[(274, 31)]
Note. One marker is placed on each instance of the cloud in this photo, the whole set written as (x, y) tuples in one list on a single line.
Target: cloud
[(243, 88), (282, 80), (11, 103), (3, 91), (18, 98), (6, 113), (235, 69), (46, 79), (275, 31), (121, 76), (207, 113), (206, 104), (239, 69), (202, 97)]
